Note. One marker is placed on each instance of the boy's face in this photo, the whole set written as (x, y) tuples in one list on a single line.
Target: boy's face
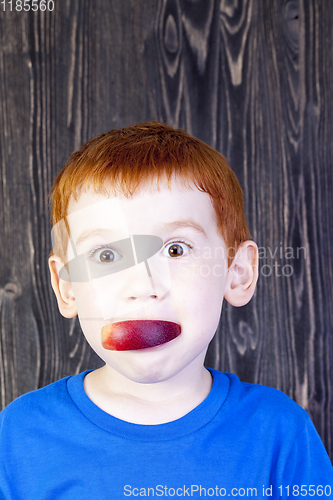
[(187, 280)]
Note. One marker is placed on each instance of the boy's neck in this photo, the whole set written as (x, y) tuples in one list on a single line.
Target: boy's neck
[(148, 404)]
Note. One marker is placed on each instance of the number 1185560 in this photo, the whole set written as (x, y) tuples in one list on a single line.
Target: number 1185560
[(304, 490), (26, 5)]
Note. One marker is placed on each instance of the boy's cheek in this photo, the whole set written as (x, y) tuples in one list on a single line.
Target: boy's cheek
[(91, 331), (204, 270), (86, 300), (198, 287)]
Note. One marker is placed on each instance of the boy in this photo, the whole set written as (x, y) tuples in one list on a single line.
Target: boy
[(149, 237)]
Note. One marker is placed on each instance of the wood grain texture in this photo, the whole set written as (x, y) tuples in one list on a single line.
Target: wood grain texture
[(251, 78)]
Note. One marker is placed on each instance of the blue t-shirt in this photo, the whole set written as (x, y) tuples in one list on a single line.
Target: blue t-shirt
[(243, 440)]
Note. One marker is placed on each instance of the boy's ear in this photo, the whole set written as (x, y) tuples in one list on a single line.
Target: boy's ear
[(242, 275), (63, 289)]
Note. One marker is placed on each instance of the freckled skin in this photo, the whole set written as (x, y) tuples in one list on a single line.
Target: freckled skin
[(138, 334)]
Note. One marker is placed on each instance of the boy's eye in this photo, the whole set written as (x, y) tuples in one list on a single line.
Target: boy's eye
[(105, 255), (176, 249)]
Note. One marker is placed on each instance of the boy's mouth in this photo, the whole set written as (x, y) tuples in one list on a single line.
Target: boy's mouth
[(138, 334)]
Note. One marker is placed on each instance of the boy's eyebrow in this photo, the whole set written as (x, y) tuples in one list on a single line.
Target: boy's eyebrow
[(85, 235), (183, 223)]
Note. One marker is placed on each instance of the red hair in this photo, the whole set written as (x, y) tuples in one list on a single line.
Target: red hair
[(129, 158)]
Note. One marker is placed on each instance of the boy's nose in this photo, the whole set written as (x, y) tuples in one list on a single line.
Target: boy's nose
[(143, 284)]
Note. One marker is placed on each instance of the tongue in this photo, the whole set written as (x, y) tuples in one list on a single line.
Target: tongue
[(138, 334)]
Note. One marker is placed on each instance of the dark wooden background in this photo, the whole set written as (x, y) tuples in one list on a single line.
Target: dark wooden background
[(253, 78)]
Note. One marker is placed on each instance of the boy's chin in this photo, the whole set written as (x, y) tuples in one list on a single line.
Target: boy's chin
[(132, 335)]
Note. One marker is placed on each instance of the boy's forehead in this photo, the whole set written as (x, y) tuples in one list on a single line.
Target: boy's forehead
[(98, 211), (147, 211)]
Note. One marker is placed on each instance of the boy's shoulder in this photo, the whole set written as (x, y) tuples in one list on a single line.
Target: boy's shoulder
[(265, 405), (271, 396), (38, 404)]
